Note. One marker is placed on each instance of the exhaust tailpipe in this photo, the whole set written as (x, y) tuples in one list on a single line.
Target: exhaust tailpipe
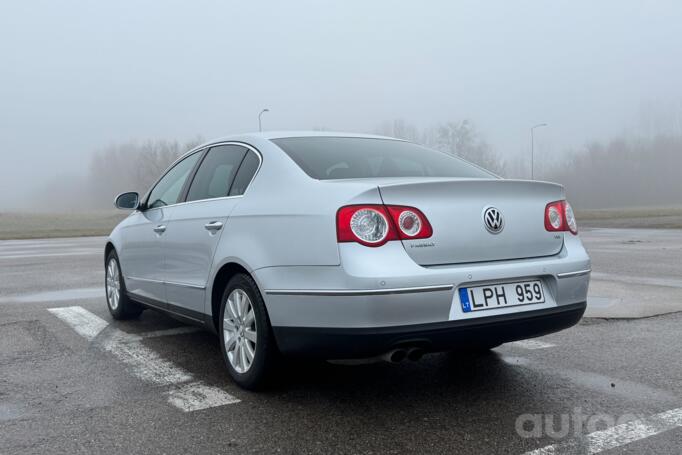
[(415, 354), (395, 356)]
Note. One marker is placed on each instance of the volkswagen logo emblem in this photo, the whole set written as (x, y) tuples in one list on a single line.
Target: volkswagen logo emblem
[(493, 220)]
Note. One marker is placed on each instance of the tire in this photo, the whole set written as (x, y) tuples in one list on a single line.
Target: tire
[(248, 363), (120, 306)]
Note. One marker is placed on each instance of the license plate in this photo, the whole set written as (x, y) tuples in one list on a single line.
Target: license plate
[(501, 295)]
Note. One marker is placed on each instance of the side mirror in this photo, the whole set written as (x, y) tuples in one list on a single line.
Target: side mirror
[(127, 201)]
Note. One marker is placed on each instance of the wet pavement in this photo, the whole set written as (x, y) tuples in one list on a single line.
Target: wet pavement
[(72, 380), (635, 272)]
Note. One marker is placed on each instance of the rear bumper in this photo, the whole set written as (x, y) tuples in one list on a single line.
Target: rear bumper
[(383, 287), (328, 343)]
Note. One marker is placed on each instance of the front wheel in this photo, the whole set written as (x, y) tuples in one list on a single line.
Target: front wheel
[(120, 306), (246, 339)]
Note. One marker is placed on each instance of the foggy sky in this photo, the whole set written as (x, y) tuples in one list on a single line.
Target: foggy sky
[(78, 76)]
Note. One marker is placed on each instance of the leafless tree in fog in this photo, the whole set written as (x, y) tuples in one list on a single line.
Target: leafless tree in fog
[(132, 166), (624, 172), (459, 138)]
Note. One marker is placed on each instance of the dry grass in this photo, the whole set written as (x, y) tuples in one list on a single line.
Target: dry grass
[(640, 217), (19, 225)]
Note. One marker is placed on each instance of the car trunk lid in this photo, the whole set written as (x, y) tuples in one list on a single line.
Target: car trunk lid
[(456, 207)]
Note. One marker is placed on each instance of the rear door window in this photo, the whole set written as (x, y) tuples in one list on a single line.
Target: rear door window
[(245, 174), (216, 172)]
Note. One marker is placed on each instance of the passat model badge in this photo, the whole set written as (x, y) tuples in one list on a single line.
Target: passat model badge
[(493, 220)]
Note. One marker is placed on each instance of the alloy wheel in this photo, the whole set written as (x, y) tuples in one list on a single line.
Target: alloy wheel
[(113, 283), (239, 330)]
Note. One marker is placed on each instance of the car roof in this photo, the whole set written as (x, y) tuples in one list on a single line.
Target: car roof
[(269, 135), (304, 133)]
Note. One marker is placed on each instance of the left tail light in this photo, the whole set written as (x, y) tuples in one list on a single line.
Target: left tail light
[(559, 217), (375, 224)]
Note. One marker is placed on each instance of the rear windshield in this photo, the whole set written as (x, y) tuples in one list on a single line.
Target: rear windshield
[(332, 158)]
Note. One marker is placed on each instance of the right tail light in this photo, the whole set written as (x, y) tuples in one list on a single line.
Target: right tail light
[(559, 217)]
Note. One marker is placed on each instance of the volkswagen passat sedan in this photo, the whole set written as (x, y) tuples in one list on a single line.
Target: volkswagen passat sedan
[(342, 246)]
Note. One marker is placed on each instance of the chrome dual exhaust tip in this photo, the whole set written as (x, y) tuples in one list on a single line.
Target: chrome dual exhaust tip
[(400, 354)]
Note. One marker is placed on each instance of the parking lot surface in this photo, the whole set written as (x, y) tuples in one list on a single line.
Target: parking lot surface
[(73, 380)]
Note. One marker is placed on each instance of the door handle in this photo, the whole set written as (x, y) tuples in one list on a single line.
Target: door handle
[(160, 229), (213, 226)]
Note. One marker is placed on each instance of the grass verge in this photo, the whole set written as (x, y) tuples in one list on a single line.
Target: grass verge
[(23, 225), (634, 218)]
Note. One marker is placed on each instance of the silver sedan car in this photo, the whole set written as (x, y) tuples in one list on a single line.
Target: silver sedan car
[(339, 246)]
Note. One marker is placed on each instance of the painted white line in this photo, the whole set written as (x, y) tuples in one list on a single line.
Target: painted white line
[(85, 323), (197, 396), (144, 363), (532, 344), (618, 435), (45, 255), (55, 296)]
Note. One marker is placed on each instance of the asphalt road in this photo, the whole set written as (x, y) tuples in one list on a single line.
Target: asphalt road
[(72, 380)]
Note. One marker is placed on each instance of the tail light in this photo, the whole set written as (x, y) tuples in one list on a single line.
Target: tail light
[(411, 222), (375, 224), (559, 217)]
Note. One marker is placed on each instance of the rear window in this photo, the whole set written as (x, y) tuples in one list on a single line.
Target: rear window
[(332, 158)]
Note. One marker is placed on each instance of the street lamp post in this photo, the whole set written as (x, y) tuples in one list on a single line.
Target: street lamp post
[(260, 126), (532, 149)]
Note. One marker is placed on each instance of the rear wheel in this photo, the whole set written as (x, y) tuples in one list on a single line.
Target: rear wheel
[(246, 339), (120, 306)]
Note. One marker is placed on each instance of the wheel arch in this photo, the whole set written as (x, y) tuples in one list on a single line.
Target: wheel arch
[(220, 280), (108, 249)]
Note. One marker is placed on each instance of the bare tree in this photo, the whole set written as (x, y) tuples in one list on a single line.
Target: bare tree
[(623, 172), (457, 138), (463, 139), (401, 129), (132, 166)]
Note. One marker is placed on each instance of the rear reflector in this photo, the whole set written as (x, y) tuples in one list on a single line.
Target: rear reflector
[(375, 224)]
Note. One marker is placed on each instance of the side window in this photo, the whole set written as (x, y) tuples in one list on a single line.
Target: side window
[(245, 173), (167, 190), (216, 172)]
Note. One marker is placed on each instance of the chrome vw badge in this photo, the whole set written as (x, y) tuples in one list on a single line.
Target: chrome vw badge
[(493, 221)]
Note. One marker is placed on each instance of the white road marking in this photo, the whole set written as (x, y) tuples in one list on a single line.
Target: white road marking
[(532, 344), (618, 435), (54, 296), (44, 255), (33, 245), (85, 323), (197, 396), (146, 364)]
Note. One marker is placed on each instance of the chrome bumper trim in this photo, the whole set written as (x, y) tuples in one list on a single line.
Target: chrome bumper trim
[(359, 292), (181, 285), (572, 274)]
